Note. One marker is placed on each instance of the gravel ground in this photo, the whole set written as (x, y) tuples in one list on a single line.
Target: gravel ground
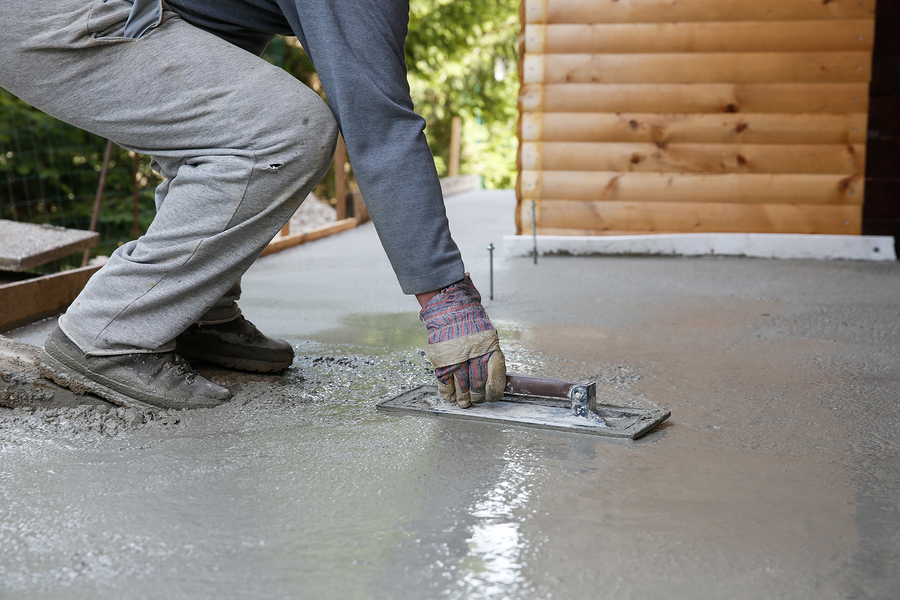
[(311, 214)]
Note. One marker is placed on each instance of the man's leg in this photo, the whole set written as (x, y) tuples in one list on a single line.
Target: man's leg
[(240, 142), (357, 47), (223, 337)]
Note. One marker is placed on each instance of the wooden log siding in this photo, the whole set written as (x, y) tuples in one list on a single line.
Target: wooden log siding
[(778, 36), (737, 67), (725, 128), (847, 159), (702, 115), (684, 11)]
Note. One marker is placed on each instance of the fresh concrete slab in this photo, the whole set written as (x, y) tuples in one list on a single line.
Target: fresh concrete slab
[(775, 476)]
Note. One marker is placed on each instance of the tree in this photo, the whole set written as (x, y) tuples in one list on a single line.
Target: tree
[(461, 58)]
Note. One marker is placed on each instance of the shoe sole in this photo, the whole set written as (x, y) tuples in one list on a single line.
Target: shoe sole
[(59, 372), (233, 362)]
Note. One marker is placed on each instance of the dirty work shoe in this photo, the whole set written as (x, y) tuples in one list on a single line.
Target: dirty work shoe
[(237, 344), (144, 381)]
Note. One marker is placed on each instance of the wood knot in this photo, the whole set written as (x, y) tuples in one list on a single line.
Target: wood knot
[(741, 127), (845, 184), (732, 108)]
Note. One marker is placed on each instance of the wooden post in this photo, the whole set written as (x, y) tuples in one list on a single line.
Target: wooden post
[(455, 135), (340, 179), (136, 163), (95, 215)]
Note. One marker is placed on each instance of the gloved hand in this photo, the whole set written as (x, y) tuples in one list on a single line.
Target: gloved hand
[(463, 346)]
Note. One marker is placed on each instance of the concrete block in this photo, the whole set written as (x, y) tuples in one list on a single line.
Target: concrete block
[(27, 245)]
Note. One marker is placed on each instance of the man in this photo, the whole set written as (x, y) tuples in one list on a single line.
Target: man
[(240, 144)]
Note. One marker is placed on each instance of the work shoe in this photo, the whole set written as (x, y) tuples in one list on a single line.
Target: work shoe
[(236, 344), (161, 380)]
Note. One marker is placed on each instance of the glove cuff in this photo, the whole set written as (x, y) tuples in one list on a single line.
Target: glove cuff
[(454, 297), (463, 349)]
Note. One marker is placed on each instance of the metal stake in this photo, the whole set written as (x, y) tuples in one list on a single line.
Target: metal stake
[(534, 229), (491, 254), (95, 215)]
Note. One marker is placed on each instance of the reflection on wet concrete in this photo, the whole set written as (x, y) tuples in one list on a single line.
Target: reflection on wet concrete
[(776, 476), (496, 544), (390, 331)]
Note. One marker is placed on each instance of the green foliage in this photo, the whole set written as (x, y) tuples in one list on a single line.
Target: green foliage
[(461, 58), (49, 173)]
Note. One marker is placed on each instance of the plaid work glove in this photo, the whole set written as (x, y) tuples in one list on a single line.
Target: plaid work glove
[(463, 346)]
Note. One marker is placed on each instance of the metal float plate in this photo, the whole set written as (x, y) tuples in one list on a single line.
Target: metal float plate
[(530, 411)]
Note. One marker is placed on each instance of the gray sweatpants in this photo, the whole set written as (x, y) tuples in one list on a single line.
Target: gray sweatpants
[(240, 143)]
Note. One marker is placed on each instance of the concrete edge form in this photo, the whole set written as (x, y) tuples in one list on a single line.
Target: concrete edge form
[(290, 241), (754, 245), (31, 299), (21, 384)]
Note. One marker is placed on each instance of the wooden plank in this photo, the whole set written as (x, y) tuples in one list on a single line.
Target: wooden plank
[(721, 128), (667, 11), (750, 188), (713, 67), (340, 179), (595, 232), (360, 210), (695, 97), (695, 217), (27, 301), (283, 243), (853, 35), (694, 158)]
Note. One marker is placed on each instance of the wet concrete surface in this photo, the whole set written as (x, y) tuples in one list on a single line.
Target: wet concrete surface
[(776, 476)]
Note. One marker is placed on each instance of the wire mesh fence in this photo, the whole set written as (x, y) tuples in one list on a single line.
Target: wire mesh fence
[(49, 173)]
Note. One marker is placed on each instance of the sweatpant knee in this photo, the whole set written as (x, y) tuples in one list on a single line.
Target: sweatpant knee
[(304, 137), (323, 129)]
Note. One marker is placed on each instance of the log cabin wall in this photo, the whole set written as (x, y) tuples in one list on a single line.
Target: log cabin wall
[(648, 116), (881, 212)]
